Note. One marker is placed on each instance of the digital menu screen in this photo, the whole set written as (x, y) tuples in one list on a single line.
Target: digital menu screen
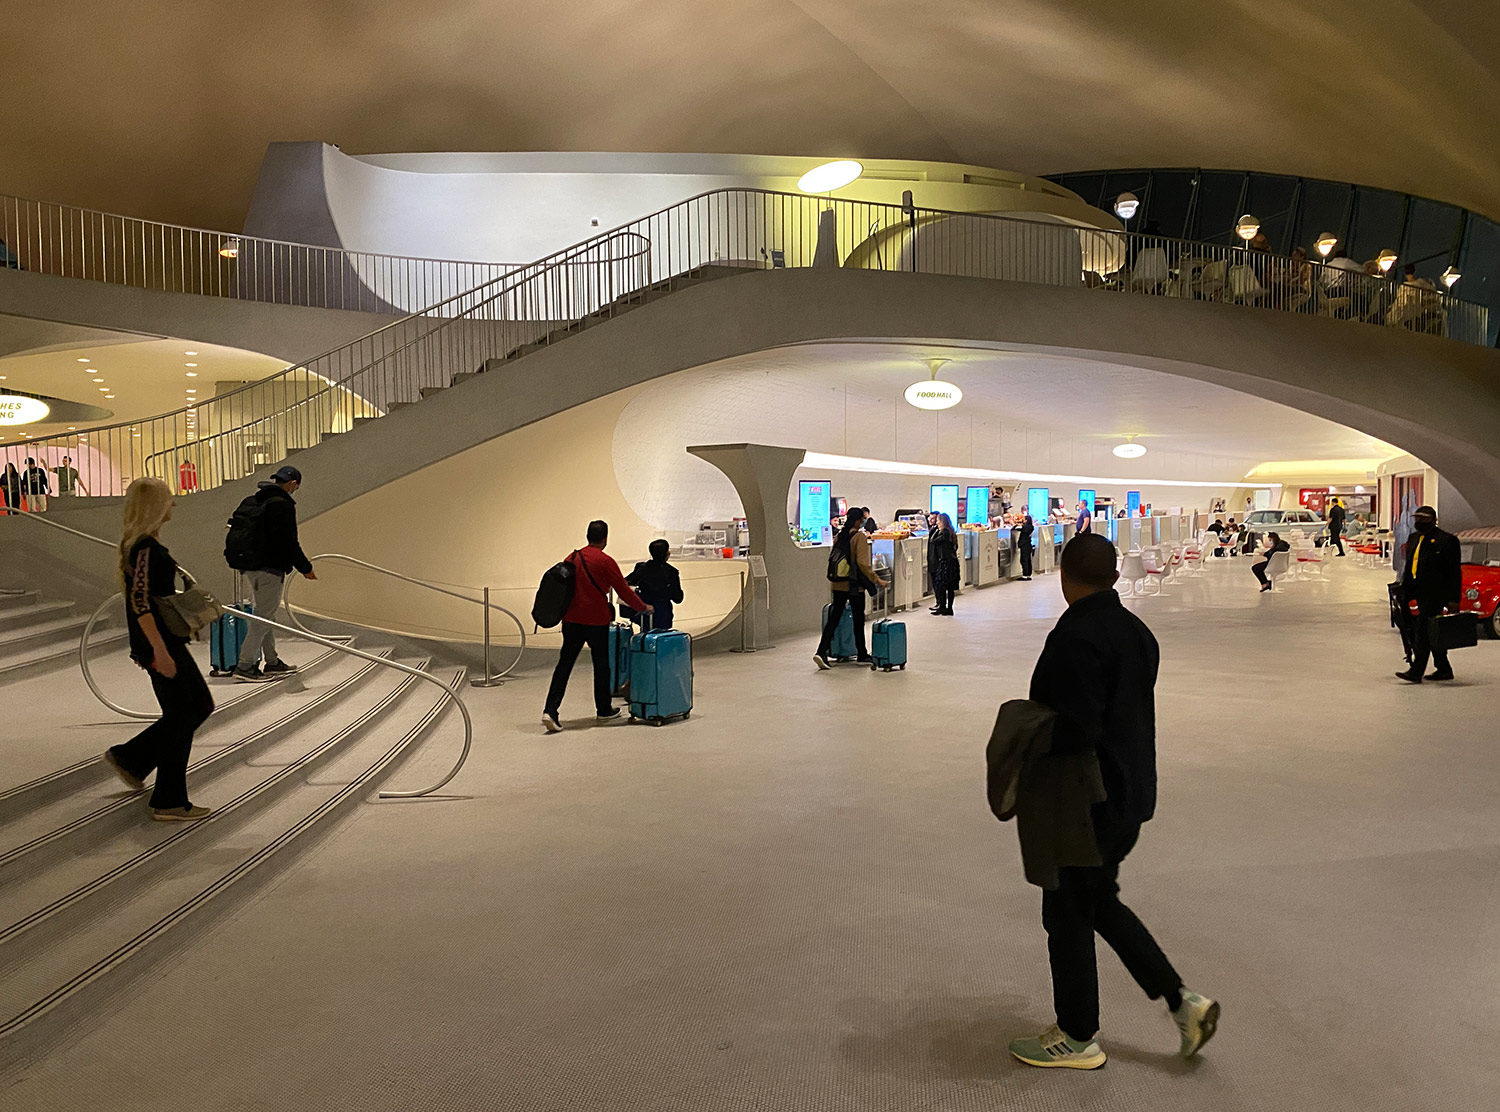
[(813, 505), (977, 506), (944, 500)]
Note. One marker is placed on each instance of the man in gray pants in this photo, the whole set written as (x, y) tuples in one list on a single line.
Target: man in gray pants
[(263, 544)]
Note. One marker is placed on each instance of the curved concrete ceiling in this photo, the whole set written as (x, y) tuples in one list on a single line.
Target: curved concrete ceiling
[(167, 118)]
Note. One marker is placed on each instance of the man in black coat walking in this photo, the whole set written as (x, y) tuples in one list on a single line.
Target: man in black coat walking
[(1098, 673), (1336, 525), (1433, 579)]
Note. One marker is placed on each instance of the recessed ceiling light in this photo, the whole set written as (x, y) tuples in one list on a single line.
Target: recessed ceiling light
[(98, 380), (1129, 450), (190, 364), (72, 428), (192, 374), (110, 396), (104, 389), (83, 361), (190, 353)]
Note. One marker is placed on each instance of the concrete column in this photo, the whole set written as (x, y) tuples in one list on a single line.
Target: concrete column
[(762, 476)]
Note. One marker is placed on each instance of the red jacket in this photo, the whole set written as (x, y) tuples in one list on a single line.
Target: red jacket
[(598, 574)]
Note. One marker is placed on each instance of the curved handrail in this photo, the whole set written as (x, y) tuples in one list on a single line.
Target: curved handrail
[(509, 283), (475, 598), (315, 638)]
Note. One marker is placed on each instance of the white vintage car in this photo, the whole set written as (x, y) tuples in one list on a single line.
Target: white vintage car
[(1287, 523)]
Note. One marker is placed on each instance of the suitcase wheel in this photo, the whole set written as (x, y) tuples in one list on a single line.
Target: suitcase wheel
[(887, 667), (657, 721)]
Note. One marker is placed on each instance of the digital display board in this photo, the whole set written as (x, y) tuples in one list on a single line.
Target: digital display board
[(944, 500), (1133, 502), (1036, 503), (977, 506), (1087, 498), (813, 505)]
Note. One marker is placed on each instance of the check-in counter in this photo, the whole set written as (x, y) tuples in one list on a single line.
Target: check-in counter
[(981, 557), (907, 560)]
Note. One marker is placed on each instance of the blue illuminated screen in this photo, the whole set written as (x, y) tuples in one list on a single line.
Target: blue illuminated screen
[(944, 500), (977, 506)]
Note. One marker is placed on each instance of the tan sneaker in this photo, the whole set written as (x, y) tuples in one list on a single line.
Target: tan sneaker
[(189, 813)]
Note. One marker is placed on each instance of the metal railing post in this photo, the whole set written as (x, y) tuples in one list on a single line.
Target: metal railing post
[(489, 679)]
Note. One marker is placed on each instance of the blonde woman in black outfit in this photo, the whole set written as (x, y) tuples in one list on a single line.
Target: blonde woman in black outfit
[(149, 571)]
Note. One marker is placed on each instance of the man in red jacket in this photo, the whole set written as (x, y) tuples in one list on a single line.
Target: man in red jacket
[(587, 623)]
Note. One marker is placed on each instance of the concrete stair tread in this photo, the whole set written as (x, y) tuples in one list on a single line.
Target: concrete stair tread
[(65, 971), (53, 627), (117, 835), (231, 701), (17, 616), (37, 820), (12, 599), (21, 660)]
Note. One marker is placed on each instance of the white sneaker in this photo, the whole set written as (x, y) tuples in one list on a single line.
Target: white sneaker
[(551, 722), (1052, 1049), (1197, 1020), (821, 661)]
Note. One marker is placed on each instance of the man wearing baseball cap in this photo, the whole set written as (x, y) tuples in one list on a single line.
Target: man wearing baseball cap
[(1433, 579), (262, 543)]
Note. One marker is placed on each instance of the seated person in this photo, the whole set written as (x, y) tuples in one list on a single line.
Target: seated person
[(658, 584), (1273, 545)]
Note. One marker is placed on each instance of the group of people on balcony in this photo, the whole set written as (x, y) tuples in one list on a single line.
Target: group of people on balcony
[(1341, 287)]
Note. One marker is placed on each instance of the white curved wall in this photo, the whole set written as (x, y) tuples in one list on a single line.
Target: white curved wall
[(519, 207)]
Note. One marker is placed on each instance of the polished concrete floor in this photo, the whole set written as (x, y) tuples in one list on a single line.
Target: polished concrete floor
[(798, 900)]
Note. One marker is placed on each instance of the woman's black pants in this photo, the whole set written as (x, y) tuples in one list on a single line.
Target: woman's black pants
[(165, 744)]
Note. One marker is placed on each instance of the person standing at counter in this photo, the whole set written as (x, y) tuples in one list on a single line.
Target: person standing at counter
[(870, 525), (850, 574), (1025, 545), (1085, 521), (658, 583), (943, 563)]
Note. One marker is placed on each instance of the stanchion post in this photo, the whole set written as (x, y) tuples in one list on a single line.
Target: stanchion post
[(489, 679)]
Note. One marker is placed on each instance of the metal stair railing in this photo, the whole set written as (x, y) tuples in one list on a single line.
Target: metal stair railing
[(118, 599), (722, 232), (68, 242), (480, 596)]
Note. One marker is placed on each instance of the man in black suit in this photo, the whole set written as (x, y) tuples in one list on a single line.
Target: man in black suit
[(1098, 673), (1024, 544), (1336, 525), (1433, 579)]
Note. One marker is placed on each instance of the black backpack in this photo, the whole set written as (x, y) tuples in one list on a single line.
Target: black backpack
[(841, 561), (242, 546), (554, 594)]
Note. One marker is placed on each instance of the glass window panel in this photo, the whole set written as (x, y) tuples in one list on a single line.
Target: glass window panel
[(1165, 204), (1378, 217), (1270, 199), (1325, 208), (1218, 207), (1431, 230)]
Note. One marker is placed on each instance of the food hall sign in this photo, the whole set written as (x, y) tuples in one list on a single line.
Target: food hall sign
[(22, 411)]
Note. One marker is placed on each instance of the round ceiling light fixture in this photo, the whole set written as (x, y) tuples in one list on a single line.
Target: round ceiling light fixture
[(1127, 205), (1247, 227), (1325, 243), (830, 176), (230, 249), (934, 393), (1385, 260), (1130, 449), (1451, 275), (18, 409)]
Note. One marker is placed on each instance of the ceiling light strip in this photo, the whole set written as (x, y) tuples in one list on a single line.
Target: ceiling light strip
[(822, 461)]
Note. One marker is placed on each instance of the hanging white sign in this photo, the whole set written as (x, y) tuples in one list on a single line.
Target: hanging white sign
[(933, 394), (16, 410)]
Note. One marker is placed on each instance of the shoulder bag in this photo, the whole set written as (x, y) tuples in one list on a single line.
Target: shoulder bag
[(186, 613)]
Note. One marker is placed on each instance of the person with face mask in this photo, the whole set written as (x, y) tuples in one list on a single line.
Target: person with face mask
[(1433, 579)]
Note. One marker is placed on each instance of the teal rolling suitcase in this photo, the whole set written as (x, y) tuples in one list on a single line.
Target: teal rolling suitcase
[(841, 647), (661, 676), (620, 636)]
